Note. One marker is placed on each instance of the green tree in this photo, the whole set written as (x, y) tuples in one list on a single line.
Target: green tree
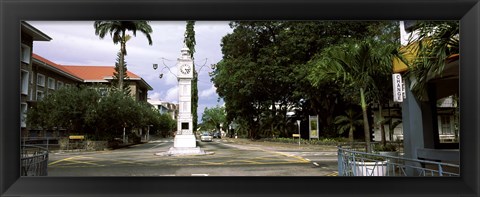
[(117, 30), (263, 73), (349, 122), (65, 108), (190, 42), (116, 74), (214, 117), (355, 65), (437, 41), (85, 110)]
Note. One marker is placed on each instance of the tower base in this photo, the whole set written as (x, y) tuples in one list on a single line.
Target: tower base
[(184, 141)]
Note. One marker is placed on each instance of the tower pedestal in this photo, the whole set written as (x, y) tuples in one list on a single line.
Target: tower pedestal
[(185, 141)]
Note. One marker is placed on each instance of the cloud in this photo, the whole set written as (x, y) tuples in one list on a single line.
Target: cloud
[(172, 95), (75, 43), (208, 92), (154, 96)]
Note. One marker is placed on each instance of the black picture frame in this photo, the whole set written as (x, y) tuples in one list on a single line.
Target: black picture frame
[(12, 12)]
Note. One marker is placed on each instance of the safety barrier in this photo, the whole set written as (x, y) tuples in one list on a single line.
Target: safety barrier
[(353, 162), (34, 161)]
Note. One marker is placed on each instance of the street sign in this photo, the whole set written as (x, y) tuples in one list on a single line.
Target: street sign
[(398, 88), (76, 137)]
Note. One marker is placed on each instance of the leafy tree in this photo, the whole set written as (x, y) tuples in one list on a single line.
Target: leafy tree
[(84, 110), (355, 66), (165, 125), (214, 117), (437, 41), (263, 73), (117, 30), (349, 122), (65, 108)]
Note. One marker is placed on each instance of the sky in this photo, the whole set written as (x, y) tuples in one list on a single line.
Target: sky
[(75, 43)]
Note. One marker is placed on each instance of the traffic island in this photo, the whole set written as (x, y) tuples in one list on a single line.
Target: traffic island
[(184, 151)]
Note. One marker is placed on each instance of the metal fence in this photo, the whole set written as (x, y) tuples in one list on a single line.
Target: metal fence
[(34, 161), (353, 162), (49, 143)]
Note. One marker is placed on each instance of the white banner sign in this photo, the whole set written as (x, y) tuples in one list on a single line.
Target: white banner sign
[(398, 88), (313, 124)]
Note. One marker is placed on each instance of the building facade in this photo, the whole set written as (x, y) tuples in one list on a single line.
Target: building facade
[(41, 76)]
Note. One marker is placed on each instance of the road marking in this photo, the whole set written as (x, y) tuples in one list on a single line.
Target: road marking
[(333, 174), (199, 174), (212, 163), (61, 160), (72, 161)]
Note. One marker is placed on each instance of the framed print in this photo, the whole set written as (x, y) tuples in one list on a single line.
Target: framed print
[(16, 83)]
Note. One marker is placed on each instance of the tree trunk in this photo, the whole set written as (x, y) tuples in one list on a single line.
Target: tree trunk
[(121, 62), (380, 122), (366, 127), (350, 136)]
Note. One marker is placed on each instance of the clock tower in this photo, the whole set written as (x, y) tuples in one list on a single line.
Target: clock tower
[(185, 137)]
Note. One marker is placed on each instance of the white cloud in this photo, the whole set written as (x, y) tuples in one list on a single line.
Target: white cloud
[(154, 96), (208, 92), (172, 95), (75, 43)]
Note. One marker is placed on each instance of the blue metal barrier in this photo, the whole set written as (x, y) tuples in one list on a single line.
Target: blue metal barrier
[(34, 161), (357, 163)]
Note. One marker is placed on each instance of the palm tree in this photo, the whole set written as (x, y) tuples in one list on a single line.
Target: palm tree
[(349, 122), (355, 65), (436, 42), (117, 30)]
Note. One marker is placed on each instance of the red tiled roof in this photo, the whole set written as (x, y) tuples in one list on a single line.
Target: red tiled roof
[(86, 72), (95, 72), (58, 66)]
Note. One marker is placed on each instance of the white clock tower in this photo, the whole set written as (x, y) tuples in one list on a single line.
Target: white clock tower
[(184, 137)]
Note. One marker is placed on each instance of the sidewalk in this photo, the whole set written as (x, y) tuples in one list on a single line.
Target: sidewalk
[(280, 145)]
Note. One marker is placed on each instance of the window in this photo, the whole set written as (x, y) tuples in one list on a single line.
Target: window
[(59, 84), (23, 111), (184, 125), (51, 83), (39, 95), (25, 54), (41, 80), (24, 82), (446, 125)]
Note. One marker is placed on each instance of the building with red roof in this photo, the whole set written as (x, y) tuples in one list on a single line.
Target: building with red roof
[(51, 76)]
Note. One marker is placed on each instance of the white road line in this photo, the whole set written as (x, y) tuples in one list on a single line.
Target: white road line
[(199, 174)]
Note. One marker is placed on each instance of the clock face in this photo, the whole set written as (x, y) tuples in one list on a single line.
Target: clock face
[(185, 69)]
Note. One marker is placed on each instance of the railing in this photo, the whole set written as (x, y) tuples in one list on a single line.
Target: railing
[(46, 142), (34, 161), (356, 163)]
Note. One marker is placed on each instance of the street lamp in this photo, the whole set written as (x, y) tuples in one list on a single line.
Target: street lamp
[(155, 66), (298, 123), (147, 137)]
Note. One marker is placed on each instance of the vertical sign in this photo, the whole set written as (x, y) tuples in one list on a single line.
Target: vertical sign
[(398, 88), (313, 127)]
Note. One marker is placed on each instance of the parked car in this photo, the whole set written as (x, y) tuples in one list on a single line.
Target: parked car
[(206, 137), (217, 135)]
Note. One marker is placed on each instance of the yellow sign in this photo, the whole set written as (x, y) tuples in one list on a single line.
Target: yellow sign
[(76, 137), (295, 135)]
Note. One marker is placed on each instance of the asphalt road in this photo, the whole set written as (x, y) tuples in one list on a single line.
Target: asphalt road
[(227, 158)]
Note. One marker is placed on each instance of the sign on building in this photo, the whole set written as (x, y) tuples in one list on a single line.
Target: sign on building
[(398, 88)]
